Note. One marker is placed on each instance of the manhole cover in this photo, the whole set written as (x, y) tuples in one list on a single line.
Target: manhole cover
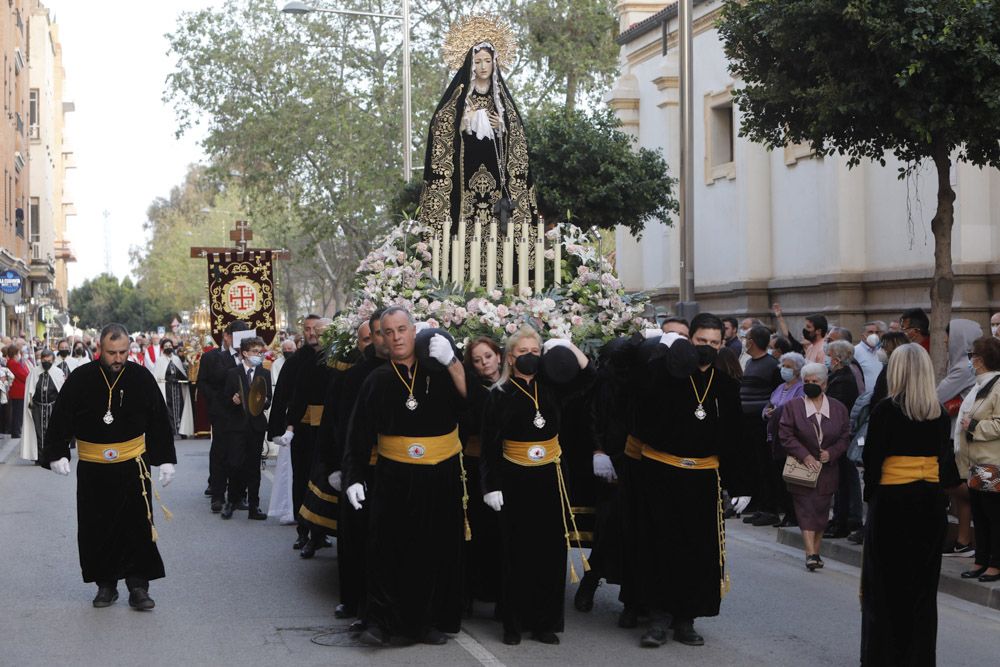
[(337, 637)]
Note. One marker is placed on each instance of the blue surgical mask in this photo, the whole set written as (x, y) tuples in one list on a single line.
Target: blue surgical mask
[(787, 373), (827, 362), (255, 360)]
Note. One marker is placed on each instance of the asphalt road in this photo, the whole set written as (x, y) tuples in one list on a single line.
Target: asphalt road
[(237, 593)]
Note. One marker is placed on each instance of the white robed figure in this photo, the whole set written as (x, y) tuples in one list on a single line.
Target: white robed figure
[(171, 376), (280, 505), (41, 388)]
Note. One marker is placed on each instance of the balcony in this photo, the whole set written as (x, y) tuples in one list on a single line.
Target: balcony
[(18, 161), (42, 268), (64, 252), (20, 123), (34, 133)]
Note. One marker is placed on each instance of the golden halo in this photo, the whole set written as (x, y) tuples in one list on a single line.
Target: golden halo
[(468, 31)]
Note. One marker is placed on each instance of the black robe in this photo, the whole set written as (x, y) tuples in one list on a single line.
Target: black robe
[(114, 534), (681, 529), (533, 523), (904, 536)]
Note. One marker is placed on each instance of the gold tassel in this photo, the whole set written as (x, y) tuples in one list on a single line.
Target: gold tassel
[(167, 514), (465, 498), (572, 574), (468, 531), (156, 535), (586, 563)]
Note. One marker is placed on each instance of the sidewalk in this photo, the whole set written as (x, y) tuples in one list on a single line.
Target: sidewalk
[(8, 449)]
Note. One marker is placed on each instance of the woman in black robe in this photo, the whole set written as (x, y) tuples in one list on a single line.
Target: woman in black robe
[(530, 496), (907, 445)]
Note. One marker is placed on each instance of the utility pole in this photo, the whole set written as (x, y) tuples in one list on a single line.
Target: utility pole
[(687, 306)]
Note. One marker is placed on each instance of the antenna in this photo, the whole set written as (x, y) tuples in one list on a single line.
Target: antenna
[(107, 242)]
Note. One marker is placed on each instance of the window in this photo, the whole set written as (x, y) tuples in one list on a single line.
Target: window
[(33, 107), (34, 220), (720, 137)]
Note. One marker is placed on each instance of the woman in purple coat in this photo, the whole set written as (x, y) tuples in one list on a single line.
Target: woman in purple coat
[(815, 429)]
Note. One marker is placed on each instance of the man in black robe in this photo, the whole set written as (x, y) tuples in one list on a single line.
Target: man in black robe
[(117, 414), (681, 530), (409, 409)]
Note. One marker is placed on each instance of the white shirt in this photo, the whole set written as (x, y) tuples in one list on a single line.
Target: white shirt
[(870, 365)]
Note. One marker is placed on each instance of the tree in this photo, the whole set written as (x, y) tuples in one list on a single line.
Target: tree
[(587, 169), (103, 299), (865, 78)]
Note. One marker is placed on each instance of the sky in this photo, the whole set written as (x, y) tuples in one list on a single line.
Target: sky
[(122, 134)]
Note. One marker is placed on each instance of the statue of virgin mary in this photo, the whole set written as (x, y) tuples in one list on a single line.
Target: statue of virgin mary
[(476, 165)]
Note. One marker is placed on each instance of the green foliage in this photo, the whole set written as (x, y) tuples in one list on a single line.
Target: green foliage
[(103, 300), (587, 170)]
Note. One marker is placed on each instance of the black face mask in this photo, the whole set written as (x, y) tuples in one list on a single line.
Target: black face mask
[(808, 335), (168, 351), (46, 365), (78, 353), (706, 355), (812, 390), (288, 355), (528, 363), (63, 353)]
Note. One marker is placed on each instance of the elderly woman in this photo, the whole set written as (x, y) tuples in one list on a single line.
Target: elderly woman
[(978, 435), (815, 430), (843, 386), (907, 446), (791, 364)]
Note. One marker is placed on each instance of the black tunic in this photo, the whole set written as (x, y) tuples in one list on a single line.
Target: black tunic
[(681, 531), (904, 535), (416, 526), (532, 527), (114, 533)]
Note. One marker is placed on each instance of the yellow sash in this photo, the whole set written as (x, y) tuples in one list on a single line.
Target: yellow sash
[(689, 463), (473, 446), (421, 450), (313, 415), (633, 447), (906, 469), (374, 457), (532, 453), (112, 452)]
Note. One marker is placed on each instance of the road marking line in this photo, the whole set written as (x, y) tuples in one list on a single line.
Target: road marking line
[(477, 650)]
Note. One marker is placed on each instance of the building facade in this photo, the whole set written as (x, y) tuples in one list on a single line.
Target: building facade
[(787, 226)]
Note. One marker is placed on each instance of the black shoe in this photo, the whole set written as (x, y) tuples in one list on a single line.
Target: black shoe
[(969, 574), (584, 599), (836, 532), (857, 537), (545, 637), (628, 619), (511, 638), (765, 519), (685, 634), (989, 578), (242, 505), (324, 542), (208, 492), (300, 542), (813, 562), (434, 638), (106, 596), (788, 522), (749, 518), (654, 638), (960, 550), (374, 636), (343, 611), (216, 506), (139, 599), (227, 511), (256, 514), (309, 550), (357, 627)]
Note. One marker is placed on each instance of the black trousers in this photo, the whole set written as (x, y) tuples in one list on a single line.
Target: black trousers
[(986, 519), (847, 508), (241, 465), (131, 582), (216, 474), (303, 455), (16, 416)]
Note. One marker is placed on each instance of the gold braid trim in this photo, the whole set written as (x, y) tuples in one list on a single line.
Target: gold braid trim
[(724, 584)]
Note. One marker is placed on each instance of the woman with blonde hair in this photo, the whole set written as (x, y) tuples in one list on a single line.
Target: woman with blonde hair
[(522, 477), (908, 442)]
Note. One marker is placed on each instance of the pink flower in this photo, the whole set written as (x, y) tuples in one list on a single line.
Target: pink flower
[(576, 320), (502, 311), (434, 324), (511, 327)]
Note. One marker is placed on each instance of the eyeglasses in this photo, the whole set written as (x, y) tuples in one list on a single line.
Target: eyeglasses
[(972, 354)]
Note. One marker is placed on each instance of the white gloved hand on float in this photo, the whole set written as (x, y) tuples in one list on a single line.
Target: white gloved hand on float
[(670, 338), (604, 468), (652, 333), (60, 466), (335, 480), (494, 500), (556, 342), (356, 495), (440, 350), (167, 473)]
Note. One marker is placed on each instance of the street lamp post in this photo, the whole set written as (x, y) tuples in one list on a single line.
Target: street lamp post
[(303, 8), (688, 306)]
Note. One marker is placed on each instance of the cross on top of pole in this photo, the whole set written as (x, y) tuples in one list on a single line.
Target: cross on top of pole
[(241, 234)]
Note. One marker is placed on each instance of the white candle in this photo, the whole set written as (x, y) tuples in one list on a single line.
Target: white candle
[(475, 275), (539, 267), (508, 258), (460, 266), (456, 268), (491, 258), (445, 254), (435, 258), (522, 258), (557, 274)]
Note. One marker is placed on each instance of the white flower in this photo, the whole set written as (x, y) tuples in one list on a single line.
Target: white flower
[(502, 311), (511, 327), (576, 320)]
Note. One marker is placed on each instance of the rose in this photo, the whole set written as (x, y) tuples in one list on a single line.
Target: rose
[(511, 328), (502, 311)]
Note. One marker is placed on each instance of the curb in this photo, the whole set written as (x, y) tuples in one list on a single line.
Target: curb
[(987, 595), (10, 445)]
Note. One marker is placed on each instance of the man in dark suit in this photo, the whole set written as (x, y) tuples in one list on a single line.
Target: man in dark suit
[(211, 380), (242, 432)]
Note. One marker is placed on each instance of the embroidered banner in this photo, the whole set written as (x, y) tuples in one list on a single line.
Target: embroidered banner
[(241, 287)]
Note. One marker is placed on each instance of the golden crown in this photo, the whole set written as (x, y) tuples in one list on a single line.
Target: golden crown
[(468, 31)]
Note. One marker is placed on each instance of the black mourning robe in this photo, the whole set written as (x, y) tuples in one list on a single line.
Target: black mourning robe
[(681, 530), (532, 530), (114, 533), (416, 527), (904, 535)]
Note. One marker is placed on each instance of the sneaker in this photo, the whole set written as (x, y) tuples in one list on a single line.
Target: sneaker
[(960, 550), (857, 537)]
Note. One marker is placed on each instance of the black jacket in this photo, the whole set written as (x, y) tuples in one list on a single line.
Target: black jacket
[(212, 379), (237, 418)]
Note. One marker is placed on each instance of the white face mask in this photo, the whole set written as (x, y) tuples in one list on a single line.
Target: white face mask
[(994, 328), (872, 340)]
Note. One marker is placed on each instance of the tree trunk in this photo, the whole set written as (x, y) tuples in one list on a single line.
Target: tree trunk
[(943, 283), (570, 92)]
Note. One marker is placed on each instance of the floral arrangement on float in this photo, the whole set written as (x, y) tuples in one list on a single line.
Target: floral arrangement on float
[(584, 300)]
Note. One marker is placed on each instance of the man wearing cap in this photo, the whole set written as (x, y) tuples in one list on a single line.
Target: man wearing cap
[(117, 415), (409, 408)]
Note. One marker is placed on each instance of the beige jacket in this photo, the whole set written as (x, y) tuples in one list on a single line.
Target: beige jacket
[(981, 443)]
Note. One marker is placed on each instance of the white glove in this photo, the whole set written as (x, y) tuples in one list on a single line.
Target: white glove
[(356, 495), (668, 339), (60, 467), (652, 333), (166, 474), (286, 439), (440, 349), (335, 479), (556, 342), (420, 326), (494, 500), (604, 468)]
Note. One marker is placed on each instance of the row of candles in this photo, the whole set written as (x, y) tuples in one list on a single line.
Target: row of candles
[(448, 256)]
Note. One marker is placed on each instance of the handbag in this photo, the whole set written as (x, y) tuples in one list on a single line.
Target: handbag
[(985, 477), (798, 473)]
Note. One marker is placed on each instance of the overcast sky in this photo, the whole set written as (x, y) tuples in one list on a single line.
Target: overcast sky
[(123, 135)]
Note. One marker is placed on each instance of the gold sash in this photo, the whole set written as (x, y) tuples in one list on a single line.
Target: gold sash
[(421, 450), (633, 447), (906, 469), (313, 415), (532, 453), (112, 452), (688, 463)]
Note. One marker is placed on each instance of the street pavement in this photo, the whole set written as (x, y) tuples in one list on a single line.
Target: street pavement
[(237, 593)]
